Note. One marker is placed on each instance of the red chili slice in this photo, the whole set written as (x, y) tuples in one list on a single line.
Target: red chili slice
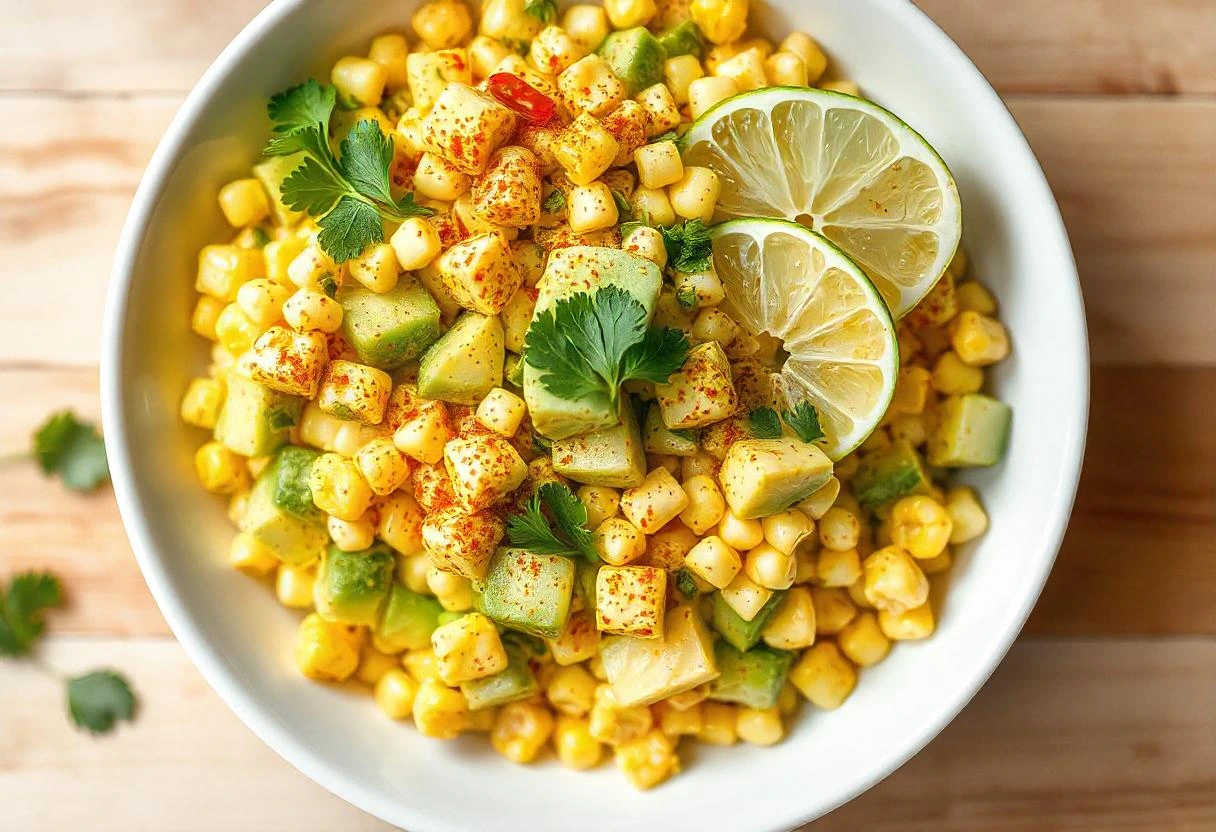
[(522, 97)]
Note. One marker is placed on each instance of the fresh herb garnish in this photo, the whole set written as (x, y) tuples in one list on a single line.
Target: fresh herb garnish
[(589, 345), (260, 237), (669, 136), (543, 10), (328, 285), (555, 202), (351, 195), (804, 419), (688, 246), (623, 209), (72, 449), (635, 222), (95, 700), (687, 297), (541, 445), (686, 584), (687, 434), (764, 423), (568, 536)]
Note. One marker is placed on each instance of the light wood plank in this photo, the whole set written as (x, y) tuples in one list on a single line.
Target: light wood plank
[(1067, 735), (1088, 46), (1140, 556), (1142, 217)]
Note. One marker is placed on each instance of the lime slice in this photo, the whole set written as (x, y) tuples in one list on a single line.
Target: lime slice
[(846, 168), (785, 280)]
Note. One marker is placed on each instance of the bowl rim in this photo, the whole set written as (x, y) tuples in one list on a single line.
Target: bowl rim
[(254, 713)]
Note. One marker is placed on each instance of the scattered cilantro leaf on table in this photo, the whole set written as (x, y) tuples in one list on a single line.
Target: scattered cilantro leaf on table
[(73, 450), (29, 595), (99, 699)]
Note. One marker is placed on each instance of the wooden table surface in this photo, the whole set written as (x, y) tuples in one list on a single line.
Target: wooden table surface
[(1104, 715)]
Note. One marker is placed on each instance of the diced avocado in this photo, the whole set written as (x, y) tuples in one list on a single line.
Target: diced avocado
[(255, 420), (408, 621), (761, 477), (465, 363), (528, 592), (753, 678), (271, 173), (388, 329), (660, 439), (296, 538), (972, 431), (684, 39), (291, 490), (740, 634), (611, 457), (513, 370), (635, 57), (702, 392), (510, 685), (570, 271), (642, 671), (890, 474), (352, 587)]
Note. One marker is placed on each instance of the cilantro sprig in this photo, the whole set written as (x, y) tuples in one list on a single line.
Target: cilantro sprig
[(589, 345), (688, 246), (567, 535), (543, 10), (96, 700), (765, 423), (351, 194), (73, 450)]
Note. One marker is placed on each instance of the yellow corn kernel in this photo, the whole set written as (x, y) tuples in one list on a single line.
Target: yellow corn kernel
[(588, 86), (395, 692), (206, 312), (223, 269), (813, 59), (201, 403), (712, 324), (338, 488), (354, 392), (468, 648), (786, 530), (383, 466), (863, 641), (836, 568), (235, 331), (376, 268), (308, 310), (842, 86), (359, 79), (746, 69), (695, 196), (824, 676), (769, 567), (251, 556), (893, 581), (373, 665), (817, 505), (654, 503), (454, 592), (653, 203), (351, 536), (485, 54), (585, 149), (786, 69), (937, 565), (921, 526), (262, 299), (421, 664), (442, 24), (973, 296), (647, 243), (721, 21), (719, 722), (679, 722), (978, 340), (626, 14), (591, 208), (327, 651), (952, 376), (293, 586), (740, 534), (479, 273), (745, 596), (428, 75), (678, 75), (647, 761), (587, 25), (415, 243), (967, 516), (579, 642), (601, 503), (439, 711), (706, 506), (911, 390), (792, 626), (618, 541), (554, 50), (909, 625), (571, 690), (424, 436), (244, 202), (438, 178), (220, 470), (389, 50), (839, 529), (662, 111), (521, 731), (833, 610), (613, 725), (575, 746), (759, 726)]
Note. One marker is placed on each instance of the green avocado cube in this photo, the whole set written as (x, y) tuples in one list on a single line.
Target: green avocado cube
[(751, 678), (255, 420), (408, 621), (465, 363), (762, 477), (292, 493), (295, 538), (509, 685), (685, 39), (972, 431), (642, 671), (388, 329), (527, 592), (890, 474), (660, 439), (613, 457), (272, 173), (352, 587), (740, 634), (635, 57)]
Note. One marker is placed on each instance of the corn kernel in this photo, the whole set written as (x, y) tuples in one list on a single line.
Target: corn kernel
[(863, 641), (786, 69), (454, 592), (592, 208), (575, 746), (838, 568), (423, 436), (647, 761), (649, 202), (442, 24), (973, 296), (394, 694), (967, 516), (327, 651), (468, 648), (293, 586), (978, 340), (220, 470), (244, 202), (351, 536), (613, 725), (251, 556), (618, 541), (662, 112), (833, 610), (421, 664), (704, 93), (678, 73), (745, 596), (695, 196), (909, 625), (759, 726), (952, 376), (588, 86), (521, 731), (571, 690), (812, 56), (648, 243), (792, 626), (824, 676), (389, 50), (893, 581), (839, 529), (769, 567), (439, 711), (338, 488), (654, 503), (360, 79), (587, 25), (719, 722), (721, 21), (746, 69)]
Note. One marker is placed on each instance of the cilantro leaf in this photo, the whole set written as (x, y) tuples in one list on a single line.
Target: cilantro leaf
[(636, 222), (543, 10), (686, 584), (687, 297), (623, 209), (21, 608), (408, 207), (669, 136), (72, 449), (328, 285), (349, 228), (570, 515), (312, 187), (367, 155), (306, 106), (688, 246), (99, 699), (589, 345), (804, 419), (764, 423), (531, 530), (555, 202), (260, 237)]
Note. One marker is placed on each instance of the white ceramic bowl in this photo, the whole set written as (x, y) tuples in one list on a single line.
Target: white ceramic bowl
[(240, 638)]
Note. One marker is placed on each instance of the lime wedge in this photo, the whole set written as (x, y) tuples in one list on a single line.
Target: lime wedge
[(785, 280), (846, 168)]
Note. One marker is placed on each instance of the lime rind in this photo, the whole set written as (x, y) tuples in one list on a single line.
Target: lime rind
[(783, 179), (834, 339)]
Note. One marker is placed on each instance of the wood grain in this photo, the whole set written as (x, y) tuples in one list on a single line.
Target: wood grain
[(1139, 559), (1067, 735), (1142, 218), (1080, 46)]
